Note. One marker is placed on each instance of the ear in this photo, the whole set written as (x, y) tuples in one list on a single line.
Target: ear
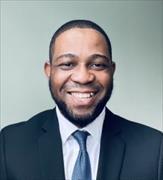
[(113, 67), (47, 68)]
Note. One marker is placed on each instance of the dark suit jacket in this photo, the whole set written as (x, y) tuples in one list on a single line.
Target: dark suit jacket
[(32, 150)]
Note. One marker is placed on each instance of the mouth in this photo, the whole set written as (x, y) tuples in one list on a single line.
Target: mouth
[(82, 95), (82, 98)]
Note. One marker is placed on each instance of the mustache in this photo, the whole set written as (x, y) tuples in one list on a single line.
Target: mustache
[(93, 86)]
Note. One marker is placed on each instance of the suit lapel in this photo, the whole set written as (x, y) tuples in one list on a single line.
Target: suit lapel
[(50, 150), (112, 150)]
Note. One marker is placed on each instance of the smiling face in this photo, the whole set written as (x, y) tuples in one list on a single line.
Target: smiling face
[(81, 74)]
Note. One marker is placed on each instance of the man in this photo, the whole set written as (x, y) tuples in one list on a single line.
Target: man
[(51, 145)]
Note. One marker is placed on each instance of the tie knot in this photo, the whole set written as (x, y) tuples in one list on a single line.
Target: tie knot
[(81, 137)]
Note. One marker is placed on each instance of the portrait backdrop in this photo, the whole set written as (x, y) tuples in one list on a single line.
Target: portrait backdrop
[(136, 32)]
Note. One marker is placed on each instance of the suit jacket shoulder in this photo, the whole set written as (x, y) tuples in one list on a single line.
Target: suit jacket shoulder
[(130, 127), (35, 121), (141, 148), (26, 149)]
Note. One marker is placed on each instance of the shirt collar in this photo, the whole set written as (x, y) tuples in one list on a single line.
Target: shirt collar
[(67, 128)]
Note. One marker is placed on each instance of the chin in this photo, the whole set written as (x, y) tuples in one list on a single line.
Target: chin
[(79, 118), (81, 111)]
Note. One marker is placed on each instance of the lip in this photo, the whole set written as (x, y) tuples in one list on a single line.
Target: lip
[(82, 91), (84, 98)]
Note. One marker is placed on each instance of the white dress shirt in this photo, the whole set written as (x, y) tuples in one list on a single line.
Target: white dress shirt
[(71, 147)]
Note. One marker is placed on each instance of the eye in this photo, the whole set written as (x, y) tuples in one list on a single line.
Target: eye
[(98, 66), (66, 66)]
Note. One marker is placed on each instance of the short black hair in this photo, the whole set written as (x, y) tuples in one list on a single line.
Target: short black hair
[(79, 23)]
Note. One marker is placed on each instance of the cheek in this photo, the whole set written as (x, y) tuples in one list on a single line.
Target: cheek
[(104, 79), (58, 79)]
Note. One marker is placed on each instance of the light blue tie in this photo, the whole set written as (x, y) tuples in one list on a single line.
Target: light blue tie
[(82, 168)]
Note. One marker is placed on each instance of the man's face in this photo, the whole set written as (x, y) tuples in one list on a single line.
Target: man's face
[(81, 74)]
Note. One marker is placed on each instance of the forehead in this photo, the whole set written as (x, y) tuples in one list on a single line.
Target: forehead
[(80, 39), (77, 32)]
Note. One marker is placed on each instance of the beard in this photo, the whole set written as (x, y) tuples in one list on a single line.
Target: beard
[(85, 119)]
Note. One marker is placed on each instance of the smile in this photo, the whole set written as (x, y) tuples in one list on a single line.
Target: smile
[(83, 95), (82, 99)]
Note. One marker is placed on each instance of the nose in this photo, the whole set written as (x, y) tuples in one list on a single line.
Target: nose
[(82, 75)]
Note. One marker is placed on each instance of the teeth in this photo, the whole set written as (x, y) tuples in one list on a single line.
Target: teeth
[(83, 95)]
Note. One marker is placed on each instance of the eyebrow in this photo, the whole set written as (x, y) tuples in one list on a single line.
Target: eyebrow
[(92, 57), (68, 55), (96, 56)]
